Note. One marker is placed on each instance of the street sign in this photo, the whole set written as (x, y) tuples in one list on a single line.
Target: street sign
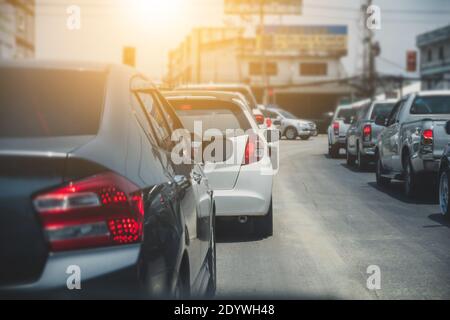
[(411, 61), (270, 7), (307, 39), (129, 56)]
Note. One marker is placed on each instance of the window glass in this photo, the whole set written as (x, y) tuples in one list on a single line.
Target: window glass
[(431, 105)]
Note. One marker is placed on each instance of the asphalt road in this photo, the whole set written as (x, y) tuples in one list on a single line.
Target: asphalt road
[(330, 224)]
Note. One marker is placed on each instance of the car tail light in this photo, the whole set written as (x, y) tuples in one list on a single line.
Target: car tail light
[(259, 119), (253, 150), (367, 133), (427, 137), (268, 122), (336, 128), (103, 210)]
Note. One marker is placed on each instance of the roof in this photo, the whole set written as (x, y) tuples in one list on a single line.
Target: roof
[(437, 35), (47, 64), (434, 93), (213, 86), (218, 95)]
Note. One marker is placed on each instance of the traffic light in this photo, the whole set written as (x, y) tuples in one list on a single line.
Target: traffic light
[(411, 61), (129, 56)]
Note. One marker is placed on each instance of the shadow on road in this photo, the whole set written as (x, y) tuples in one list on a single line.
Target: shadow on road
[(370, 168), (341, 156), (395, 190), (439, 218), (233, 232)]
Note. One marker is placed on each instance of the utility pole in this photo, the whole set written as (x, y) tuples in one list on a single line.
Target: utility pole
[(266, 80), (371, 50)]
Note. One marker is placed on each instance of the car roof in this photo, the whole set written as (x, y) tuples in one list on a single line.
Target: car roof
[(434, 93), (217, 95), (213, 86), (49, 64)]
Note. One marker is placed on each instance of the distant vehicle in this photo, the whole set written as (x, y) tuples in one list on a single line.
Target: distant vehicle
[(243, 89), (87, 180), (362, 136), (411, 146), (241, 191), (259, 118), (289, 125), (337, 131)]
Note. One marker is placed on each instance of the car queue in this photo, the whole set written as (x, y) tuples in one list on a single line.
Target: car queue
[(99, 175), (408, 140)]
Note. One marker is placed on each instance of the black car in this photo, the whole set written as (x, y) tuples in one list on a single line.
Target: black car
[(90, 197)]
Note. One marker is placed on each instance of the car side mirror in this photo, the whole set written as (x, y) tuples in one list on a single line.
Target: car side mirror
[(380, 121)]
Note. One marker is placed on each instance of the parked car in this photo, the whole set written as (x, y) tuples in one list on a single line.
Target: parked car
[(289, 125), (88, 183), (241, 188), (259, 118), (243, 89), (412, 144), (362, 136), (337, 131)]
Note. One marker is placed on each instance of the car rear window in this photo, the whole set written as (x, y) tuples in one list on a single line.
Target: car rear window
[(382, 110), (219, 115), (347, 114), (431, 105), (50, 103)]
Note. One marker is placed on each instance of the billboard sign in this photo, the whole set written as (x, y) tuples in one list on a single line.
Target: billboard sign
[(307, 39), (270, 7)]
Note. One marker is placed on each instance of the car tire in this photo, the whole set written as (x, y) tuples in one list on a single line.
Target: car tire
[(444, 192), (304, 138), (334, 151), (212, 265), (182, 287), (263, 226), (350, 158), (411, 182), (362, 161), (291, 133), (381, 181)]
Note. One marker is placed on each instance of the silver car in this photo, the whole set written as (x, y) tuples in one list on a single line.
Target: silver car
[(289, 125), (362, 136)]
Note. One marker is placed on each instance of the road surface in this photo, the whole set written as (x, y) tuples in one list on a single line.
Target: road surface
[(331, 223)]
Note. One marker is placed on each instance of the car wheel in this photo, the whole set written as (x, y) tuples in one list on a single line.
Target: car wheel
[(381, 181), (212, 284), (444, 192), (304, 138), (291, 133), (263, 226), (410, 183), (350, 158), (334, 151), (362, 161), (181, 291)]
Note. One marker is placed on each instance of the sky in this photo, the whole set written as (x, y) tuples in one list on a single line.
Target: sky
[(156, 26)]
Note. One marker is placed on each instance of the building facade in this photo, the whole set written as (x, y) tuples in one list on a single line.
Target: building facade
[(17, 29), (227, 55), (434, 49)]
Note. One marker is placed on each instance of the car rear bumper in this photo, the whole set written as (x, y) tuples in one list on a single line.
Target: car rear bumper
[(251, 196), (97, 270)]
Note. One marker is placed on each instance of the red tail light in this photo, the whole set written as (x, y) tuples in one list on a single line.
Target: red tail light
[(103, 210), (427, 137), (336, 128), (268, 122), (253, 150), (259, 119), (367, 132)]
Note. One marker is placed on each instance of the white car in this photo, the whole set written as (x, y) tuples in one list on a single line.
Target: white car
[(337, 131), (242, 179), (289, 125)]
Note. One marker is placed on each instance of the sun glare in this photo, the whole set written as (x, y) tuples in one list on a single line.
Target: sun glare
[(156, 11)]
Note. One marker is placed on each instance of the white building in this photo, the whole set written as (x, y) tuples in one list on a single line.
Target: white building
[(17, 29)]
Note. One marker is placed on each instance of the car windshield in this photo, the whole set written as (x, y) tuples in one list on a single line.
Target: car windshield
[(431, 105), (209, 114), (287, 115), (382, 110), (50, 103)]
